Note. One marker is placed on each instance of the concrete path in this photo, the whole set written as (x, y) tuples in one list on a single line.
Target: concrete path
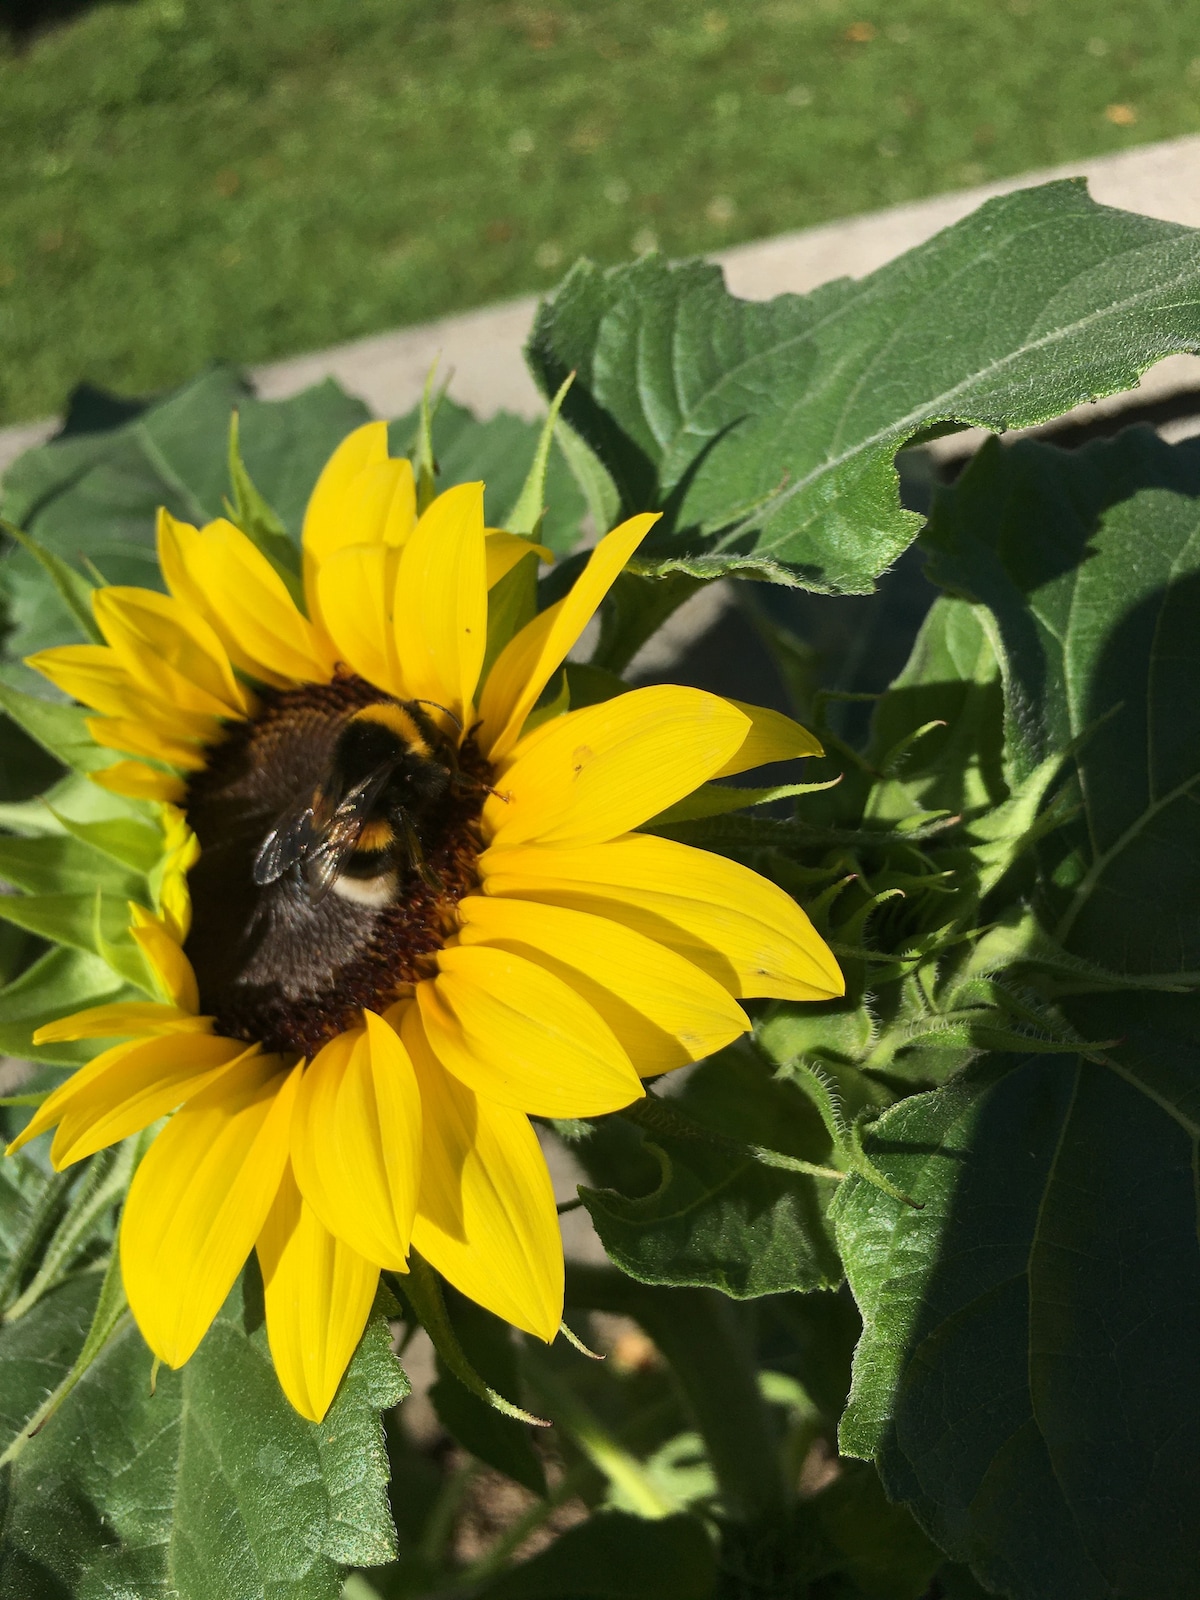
[(483, 348)]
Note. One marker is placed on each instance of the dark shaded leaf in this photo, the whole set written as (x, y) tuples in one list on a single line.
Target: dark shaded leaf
[(617, 1557), (1090, 563), (1026, 1380)]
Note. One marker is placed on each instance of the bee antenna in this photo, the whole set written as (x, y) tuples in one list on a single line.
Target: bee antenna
[(439, 707)]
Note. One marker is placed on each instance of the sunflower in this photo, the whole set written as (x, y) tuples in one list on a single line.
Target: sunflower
[(350, 1040)]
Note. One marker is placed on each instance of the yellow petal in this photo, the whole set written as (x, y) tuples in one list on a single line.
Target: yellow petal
[(356, 1141), (245, 601), (141, 1019), (486, 1218), (600, 771), (164, 955), (354, 587), (169, 650), (515, 1033), (325, 525), (440, 606), (503, 551), (771, 737), (743, 930), (93, 675), (528, 662), (663, 1009), (380, 505), (125, 1089), (318, 1294), (199, 1200), (139, 739), (140, 782)]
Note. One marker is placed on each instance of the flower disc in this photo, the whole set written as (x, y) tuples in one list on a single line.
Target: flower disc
[(274, 966)]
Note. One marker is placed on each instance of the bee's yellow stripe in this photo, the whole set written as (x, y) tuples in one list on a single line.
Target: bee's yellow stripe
[(402, 723), (375, 835)]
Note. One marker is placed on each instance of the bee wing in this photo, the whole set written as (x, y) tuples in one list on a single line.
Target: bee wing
[(286, 844), (327, 858), (336, 841)]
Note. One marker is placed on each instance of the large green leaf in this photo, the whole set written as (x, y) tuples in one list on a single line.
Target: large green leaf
[(95, 494), (1026, 1379), (767, 431), (717, 1217), (205, 1485), (1089, 563)]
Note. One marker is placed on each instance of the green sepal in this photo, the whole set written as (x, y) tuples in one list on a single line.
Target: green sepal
[(511, 604), (526, 513), (600, 493), (61, 729), (61, 864), (259, 521), (58, 983), (101, 1187), (423, 1290), (133, 844), (718, 799), (499, 1440)]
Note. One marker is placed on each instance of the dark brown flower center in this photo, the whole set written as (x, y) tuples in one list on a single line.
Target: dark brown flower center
[(276, 964)]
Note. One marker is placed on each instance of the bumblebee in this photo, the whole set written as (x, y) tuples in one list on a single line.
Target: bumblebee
[(359, 828)]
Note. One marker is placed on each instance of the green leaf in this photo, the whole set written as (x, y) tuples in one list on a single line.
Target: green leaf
[(767, 430), (951, 677), (499, 1440), (95, 495), (1027, 1361), (613, 1556), (36, 1354), (498, 451), (211, 1485), (89, 922), (1089, 563), (74, 590), (719, 1217)]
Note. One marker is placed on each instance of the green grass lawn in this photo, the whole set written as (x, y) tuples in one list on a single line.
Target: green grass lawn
[(189, 179)]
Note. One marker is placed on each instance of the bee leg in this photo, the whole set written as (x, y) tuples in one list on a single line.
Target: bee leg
[(416, 856)]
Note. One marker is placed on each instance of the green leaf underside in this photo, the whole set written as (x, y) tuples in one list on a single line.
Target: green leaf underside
[(1027, 1365), (210, 1486), (768, 429)]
